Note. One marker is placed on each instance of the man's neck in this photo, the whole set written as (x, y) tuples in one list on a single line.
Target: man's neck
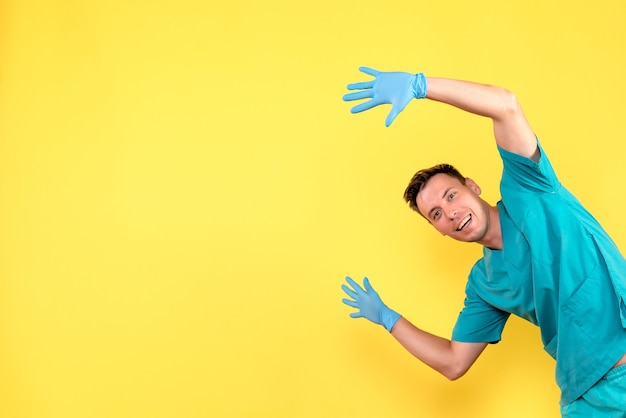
[(493, 237)]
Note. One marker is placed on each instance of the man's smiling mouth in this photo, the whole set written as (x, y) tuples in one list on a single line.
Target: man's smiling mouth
[(464, 222)]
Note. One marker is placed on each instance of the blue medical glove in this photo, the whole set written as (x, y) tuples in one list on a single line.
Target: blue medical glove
[(369, 304), (395, 88)]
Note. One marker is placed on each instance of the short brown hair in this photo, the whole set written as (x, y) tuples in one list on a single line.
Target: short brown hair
[(420, 179)]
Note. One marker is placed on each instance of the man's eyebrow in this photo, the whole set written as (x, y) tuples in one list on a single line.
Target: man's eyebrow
[(446, 192)]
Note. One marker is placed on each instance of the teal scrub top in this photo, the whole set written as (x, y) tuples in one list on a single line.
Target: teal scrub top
[(558, 269)]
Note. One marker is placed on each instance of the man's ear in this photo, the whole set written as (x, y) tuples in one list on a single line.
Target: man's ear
[(471, 184)]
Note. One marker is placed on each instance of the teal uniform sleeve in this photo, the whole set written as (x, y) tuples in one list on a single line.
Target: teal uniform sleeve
[(478, 322), (521, 173)]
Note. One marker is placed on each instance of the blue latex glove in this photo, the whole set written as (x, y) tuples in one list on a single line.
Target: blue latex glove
[(369, 304), (394, 88)]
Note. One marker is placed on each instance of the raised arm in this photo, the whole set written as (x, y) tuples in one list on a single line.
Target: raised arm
[(450, 358), (511, 129)]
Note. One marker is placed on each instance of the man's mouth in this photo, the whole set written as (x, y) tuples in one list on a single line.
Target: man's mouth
[(464, 222)]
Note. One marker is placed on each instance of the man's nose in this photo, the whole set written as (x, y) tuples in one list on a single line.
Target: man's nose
[(451, 213)]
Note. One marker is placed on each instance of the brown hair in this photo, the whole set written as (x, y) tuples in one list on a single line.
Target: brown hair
[(420, 179)]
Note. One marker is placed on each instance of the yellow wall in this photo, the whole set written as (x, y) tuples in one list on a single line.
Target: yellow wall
[(182, 192)]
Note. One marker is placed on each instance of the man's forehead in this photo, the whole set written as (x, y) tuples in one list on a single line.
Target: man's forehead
[(438, 184), (435, 188)]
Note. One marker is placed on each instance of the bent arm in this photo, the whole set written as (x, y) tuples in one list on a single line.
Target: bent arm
[(511, 129), (450, 358)]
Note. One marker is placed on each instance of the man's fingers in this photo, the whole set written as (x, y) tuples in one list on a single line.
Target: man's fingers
[(368, 286), (395, 111), (370, 71), (349, 291), (350, 302), (361, 85), (391, 116), (365, 94), (364, 106), (357, 288)]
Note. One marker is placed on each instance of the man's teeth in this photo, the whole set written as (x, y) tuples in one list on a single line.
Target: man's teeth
[(465, 221)]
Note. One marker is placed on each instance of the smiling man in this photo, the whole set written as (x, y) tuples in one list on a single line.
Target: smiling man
[(545, 258), (458, 211)]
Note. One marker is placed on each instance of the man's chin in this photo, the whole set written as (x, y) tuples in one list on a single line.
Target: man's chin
[(466, 238)]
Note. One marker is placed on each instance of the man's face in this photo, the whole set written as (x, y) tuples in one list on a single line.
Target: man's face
[(454, 209)]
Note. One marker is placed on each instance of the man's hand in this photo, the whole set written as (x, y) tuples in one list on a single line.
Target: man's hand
[(395, 88), (369, 304)]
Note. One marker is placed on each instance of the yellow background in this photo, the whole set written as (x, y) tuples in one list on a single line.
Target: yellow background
[(183, 191)]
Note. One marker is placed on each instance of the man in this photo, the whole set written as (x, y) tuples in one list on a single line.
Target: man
[(545, 258)]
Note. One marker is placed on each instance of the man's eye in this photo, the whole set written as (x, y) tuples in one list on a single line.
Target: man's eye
[(436, 214), (451, 196)]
